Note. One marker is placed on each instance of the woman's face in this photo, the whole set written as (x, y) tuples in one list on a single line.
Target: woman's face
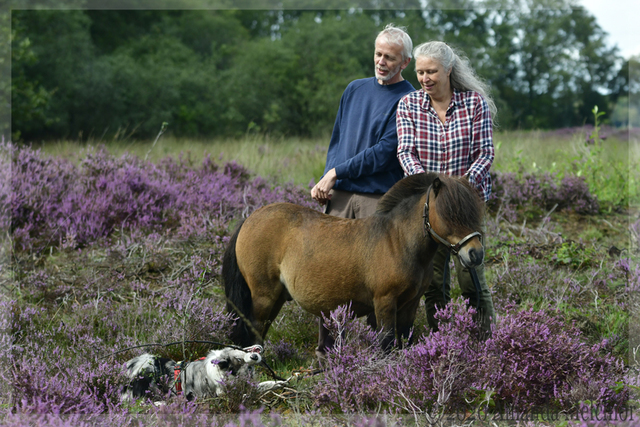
[(433, 78)]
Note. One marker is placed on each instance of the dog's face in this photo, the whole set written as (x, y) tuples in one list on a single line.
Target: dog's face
[(231, 360), (206, 377)]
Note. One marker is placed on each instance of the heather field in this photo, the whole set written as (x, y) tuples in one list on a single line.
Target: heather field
[(108, 247)]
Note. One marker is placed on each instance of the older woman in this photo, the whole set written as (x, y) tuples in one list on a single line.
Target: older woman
[(446, 127)]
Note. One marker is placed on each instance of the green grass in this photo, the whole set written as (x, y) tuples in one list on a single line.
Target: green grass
[(533, 151), (611, 169), (294, 160), (301, 160)]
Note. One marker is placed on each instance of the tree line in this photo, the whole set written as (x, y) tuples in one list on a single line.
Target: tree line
[(91, 73)]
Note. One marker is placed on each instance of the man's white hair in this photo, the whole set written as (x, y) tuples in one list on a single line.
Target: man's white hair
[(397, 35)]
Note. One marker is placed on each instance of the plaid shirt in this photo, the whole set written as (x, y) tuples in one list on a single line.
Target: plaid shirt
[(462, 146)]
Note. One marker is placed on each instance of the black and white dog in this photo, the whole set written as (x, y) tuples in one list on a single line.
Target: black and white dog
[(205, 377), (155, 376)]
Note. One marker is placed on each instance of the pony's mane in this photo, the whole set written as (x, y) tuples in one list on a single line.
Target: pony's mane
[(411, 185), (457, 202)]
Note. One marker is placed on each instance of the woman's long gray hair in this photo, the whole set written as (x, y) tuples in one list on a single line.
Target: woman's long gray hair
[(463, 77)]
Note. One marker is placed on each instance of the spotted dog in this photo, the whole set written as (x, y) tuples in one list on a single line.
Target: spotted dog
[(154, 376), (205, 377)]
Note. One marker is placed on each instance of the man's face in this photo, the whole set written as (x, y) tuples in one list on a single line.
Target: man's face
[(388, 62)]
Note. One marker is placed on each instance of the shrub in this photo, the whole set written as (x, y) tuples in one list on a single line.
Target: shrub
[(354, 378), (532, 359), (54, 203), (543, 190)]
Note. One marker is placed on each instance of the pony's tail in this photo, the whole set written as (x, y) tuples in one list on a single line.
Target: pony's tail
[(238, 294)]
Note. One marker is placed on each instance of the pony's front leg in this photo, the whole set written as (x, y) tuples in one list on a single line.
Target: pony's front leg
[(406, 318), (386, 311)]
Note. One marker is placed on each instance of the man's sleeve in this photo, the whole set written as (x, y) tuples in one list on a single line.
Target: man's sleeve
[(374, 159)]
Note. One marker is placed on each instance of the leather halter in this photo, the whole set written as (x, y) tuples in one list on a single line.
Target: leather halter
[(429, 230)]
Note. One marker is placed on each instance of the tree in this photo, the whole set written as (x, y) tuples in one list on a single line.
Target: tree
[(92, 73), (6, 36), (332, 51), (54, 50), (557, 62), (29, 98)]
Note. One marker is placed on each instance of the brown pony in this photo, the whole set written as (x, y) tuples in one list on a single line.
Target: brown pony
[(381, 264)]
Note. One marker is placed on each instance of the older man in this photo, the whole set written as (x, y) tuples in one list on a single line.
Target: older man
[(361, 161)]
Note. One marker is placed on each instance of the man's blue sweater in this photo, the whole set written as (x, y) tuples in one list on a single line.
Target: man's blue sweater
[(364, 143)]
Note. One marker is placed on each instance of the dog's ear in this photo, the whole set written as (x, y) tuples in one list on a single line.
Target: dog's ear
[(223, 364)]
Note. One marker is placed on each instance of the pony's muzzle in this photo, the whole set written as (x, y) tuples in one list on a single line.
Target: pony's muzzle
[(476, 255), (472, 256)]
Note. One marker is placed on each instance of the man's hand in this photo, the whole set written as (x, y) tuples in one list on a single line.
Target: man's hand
[(320, 191)]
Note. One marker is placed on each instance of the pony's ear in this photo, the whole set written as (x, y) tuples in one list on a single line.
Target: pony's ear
[(436, 185)]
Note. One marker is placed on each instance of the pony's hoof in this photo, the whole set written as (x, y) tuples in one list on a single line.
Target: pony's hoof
[(322, 356)]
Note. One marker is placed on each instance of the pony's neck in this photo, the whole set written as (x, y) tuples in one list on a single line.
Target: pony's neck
[(410, 221), (413, 231)]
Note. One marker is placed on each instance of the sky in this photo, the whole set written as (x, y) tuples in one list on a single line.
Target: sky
[(617, 17)]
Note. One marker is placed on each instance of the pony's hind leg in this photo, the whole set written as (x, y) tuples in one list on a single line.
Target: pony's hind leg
[(325, 341)]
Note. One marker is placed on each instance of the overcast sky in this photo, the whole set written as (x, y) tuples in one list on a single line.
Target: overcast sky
[(619, 18)]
